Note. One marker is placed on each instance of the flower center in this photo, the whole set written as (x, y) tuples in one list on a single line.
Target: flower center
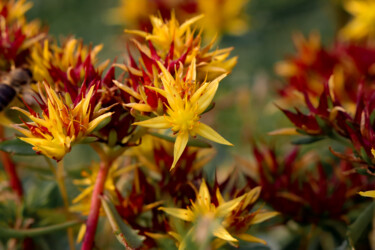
[(183, 119)]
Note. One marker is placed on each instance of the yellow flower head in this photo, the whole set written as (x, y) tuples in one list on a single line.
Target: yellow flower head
[(61, 124), (224, 212), (363, 24), (171, 39), (15, 9), (17, 34), (186, 101), (164, 33), (68, 60)]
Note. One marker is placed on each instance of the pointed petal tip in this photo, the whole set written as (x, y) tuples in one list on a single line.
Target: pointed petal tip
[(370, 194), (173, 166)]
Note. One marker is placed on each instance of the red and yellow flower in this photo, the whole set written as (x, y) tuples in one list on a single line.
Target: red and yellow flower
[(186, 101), (61, 124), (224, 215)]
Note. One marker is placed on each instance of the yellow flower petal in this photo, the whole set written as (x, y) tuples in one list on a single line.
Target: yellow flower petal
[(191, 75), (127, 89), (222, 233), (189, 22), (208, 133), (179, 147), (158, 122), (81, 233), (183, 214), (94, 123), (206, 98), (250, 238), (140, 107), (260, 217), (83, 194), (368, 193), (284, 131), (227, 207), (252, 195), (204, 197), (165, 72)]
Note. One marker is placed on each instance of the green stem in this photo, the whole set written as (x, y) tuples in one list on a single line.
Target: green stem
[(22, 233), (60, 176)]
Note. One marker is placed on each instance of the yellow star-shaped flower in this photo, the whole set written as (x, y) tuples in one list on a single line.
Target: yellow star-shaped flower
[(223, 212), (187, 100)]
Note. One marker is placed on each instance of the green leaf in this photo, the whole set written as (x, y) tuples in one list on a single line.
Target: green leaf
[(191, 143), (359, 226), (322, 124), (302, 132), (88, 140), (307, 140), (365, 156), (123, 232), (33, 232), (17, 147), (103, 123), (209, 108)]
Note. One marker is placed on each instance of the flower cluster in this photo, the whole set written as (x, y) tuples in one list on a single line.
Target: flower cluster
[(311, 68), (62, 122), (65, 67), (337, 87), (169, 87), (150, 176), (332, 89), (17, 35), (174, 88), (305, 189), (220, 218), (152, 185)]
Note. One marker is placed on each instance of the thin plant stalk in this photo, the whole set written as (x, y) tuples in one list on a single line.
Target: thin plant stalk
[(93, 218), (107, 157), (10, 169), (60, 176)]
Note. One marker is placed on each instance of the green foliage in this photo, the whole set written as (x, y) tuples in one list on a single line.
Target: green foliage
[(17, 147), (307, 140), (34, 232), (127, 236), (357, 229)]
